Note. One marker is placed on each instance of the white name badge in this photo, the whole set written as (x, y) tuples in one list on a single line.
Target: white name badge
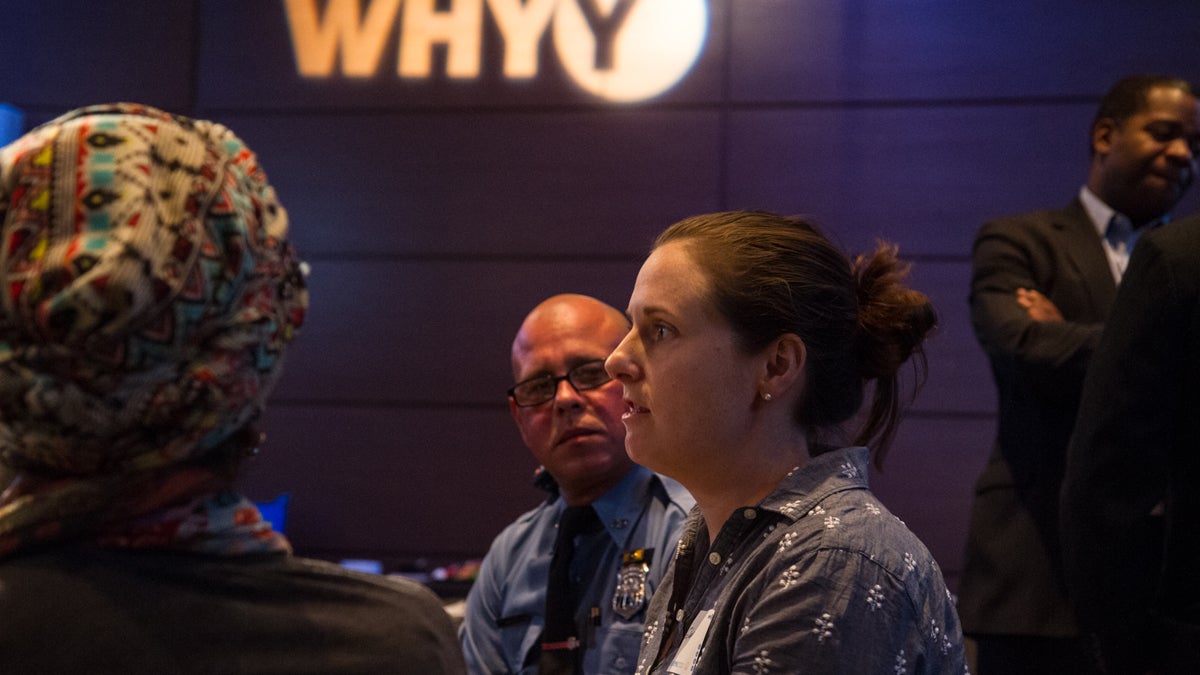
[(685, 659)]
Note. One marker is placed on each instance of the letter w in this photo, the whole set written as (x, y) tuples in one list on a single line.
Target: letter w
[(316, 41)]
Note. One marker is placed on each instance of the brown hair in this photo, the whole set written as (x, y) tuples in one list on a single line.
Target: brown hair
[(773, 275)]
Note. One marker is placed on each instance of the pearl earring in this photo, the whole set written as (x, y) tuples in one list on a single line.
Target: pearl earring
[(767, 396)]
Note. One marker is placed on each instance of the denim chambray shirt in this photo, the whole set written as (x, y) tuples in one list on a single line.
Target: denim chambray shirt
[(817, 578)]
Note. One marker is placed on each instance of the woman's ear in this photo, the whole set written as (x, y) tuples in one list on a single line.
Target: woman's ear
[(786, 358)]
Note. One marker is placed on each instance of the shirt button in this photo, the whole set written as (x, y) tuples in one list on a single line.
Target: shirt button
[(620, 662), (714, 558), (749, 514)]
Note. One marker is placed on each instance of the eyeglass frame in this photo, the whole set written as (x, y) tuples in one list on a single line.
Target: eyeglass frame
[(555, 381)]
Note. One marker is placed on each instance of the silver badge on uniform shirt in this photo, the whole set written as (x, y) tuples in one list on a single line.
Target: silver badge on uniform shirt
[(630, 595)]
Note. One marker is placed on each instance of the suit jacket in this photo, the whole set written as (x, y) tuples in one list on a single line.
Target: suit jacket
[(1012, 582), (1131, 505)]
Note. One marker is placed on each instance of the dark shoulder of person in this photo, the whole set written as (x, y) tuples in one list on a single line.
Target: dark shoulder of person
[(84, 609)]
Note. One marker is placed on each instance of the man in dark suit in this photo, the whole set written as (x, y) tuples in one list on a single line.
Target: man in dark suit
[(1041, 289), (1130, 504)]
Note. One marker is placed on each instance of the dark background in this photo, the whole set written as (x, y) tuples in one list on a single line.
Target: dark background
[(436, 212)]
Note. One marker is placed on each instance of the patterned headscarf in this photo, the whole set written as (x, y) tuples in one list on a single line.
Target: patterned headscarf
[(148, 295)]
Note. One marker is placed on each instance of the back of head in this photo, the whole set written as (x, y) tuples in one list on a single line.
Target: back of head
[(773, 275), (150, 292)]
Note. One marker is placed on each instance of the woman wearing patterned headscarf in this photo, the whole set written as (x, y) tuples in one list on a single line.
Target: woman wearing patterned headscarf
[(149, 294)]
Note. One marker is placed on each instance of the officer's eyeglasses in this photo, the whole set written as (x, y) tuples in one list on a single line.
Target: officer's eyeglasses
[(538, 390)]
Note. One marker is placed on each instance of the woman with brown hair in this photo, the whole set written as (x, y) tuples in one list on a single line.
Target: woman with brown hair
[(753, 341)]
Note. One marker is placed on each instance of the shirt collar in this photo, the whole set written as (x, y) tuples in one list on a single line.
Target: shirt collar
[(1100, 213), (621, 507), (820, 476)]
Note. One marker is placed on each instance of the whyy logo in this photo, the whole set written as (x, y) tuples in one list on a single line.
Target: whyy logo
[(618, 50)]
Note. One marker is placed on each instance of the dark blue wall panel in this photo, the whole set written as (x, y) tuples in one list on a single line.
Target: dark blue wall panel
[(935, 50), (60, 54), (488, 183), (925, 177), (428, 332)]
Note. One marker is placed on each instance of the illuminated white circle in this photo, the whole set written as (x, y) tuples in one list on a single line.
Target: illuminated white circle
[(655, 46)]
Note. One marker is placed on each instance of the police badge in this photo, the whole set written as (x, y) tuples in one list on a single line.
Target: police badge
[(630, 594)]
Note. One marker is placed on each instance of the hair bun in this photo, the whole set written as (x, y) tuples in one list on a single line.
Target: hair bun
[(893, 320)]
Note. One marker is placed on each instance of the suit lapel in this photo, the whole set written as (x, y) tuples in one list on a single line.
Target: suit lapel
[(1086, 254)]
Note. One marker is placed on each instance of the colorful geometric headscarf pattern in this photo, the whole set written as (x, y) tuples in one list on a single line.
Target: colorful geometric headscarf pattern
[(148, 292)]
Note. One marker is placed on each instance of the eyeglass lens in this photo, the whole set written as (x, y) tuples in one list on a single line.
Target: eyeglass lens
[(538, 390)]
